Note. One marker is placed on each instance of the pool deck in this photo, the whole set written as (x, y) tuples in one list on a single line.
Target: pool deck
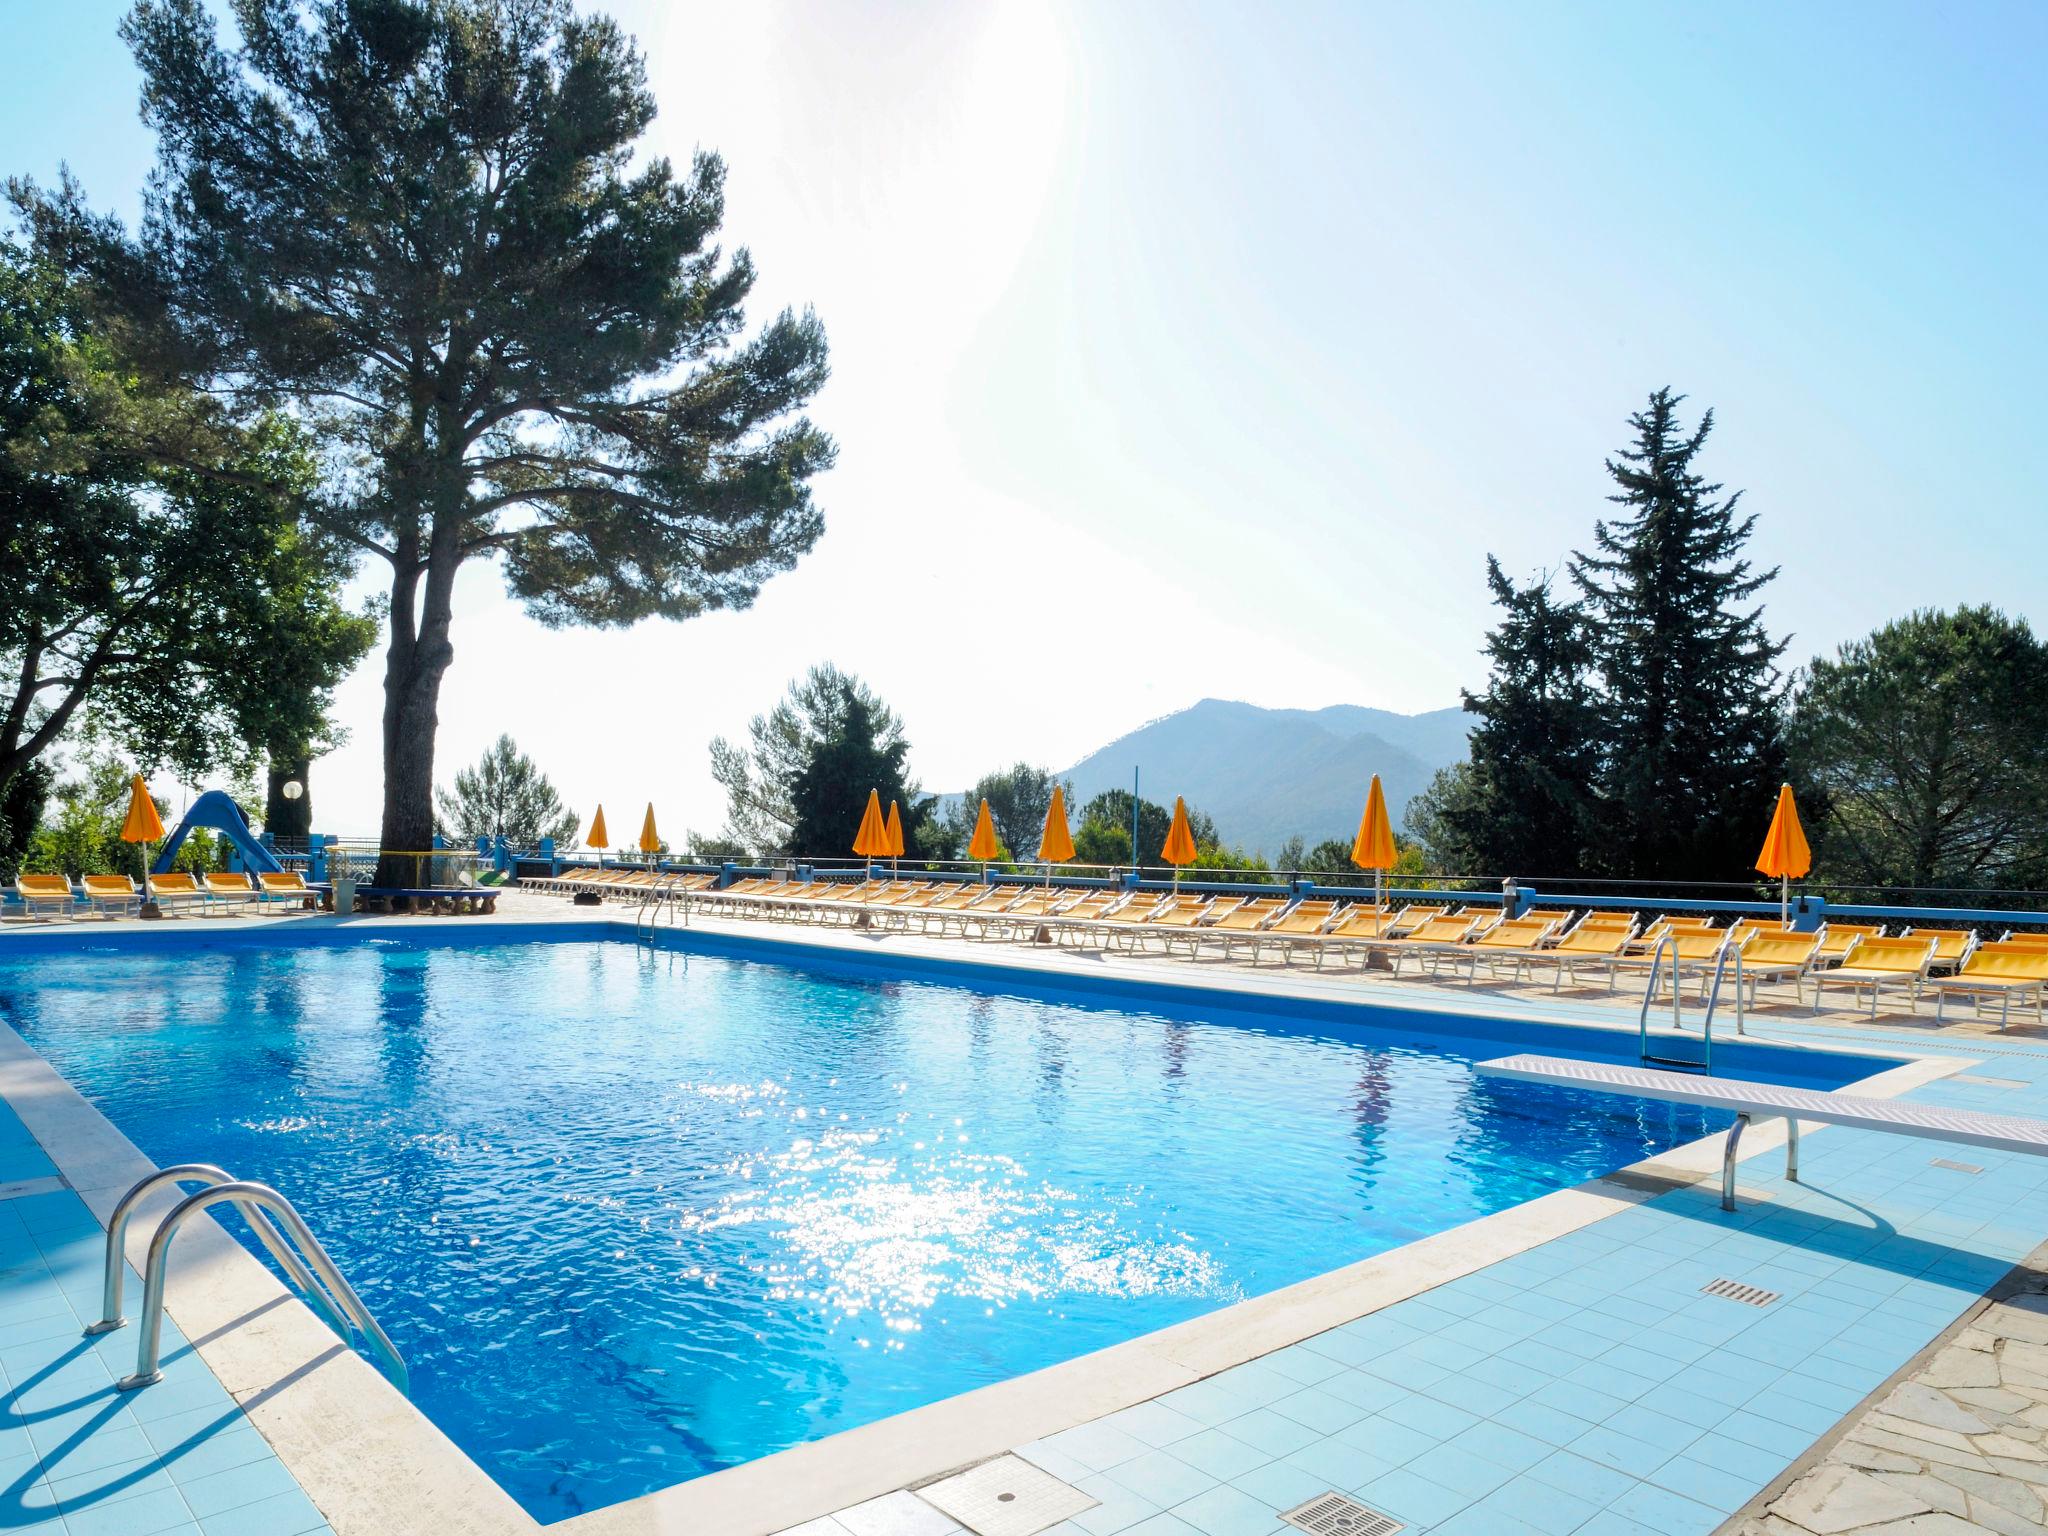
[(1555, 1368)]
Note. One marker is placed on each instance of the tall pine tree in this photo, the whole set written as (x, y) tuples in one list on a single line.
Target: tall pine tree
[(1524, 803), (1692, 750)]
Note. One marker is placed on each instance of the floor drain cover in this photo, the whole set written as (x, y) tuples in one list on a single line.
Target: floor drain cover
[(1953, 1167), (1332, 1514), (1007, 1497), (1735, 1290)]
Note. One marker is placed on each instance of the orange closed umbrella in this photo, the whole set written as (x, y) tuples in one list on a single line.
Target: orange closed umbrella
[(650, 840), (983, 844), (1057, 844), (143, 824), (872, 840), (1785, 853), (599, 838), (1373, 848), (894, 828), (1180, 839)]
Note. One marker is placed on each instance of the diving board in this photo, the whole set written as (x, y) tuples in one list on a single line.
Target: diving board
[(1763, 1101)]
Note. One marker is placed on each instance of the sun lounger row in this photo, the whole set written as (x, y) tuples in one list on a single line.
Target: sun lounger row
[(119, 896)]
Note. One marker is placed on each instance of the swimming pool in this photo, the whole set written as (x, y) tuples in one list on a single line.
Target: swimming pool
[(635, 1216)]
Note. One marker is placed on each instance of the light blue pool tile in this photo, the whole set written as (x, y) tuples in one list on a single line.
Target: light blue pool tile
[(1553, 1511), (1757, 1463), (284, 1514), (1439, 1420), (1550, 1425), (1279, 1485), (218, 1492), (1255, 1384), (1474, 1396), (1225, 1511), (1117, 1508), (1667, 1434), (1578, 1400), (1699, 1478), (1417, 1500), (1822, 1393), (1463, 1473), (1206, 1403), (1154, 1423), (1161, 1525), (1612, 1380), (1270, 1432), (1624, 1453), (1343, 1465), (1368, 1391), (1095, 1446), (1515, 1379), (1668, 1513), (148, 1513), (1796, 1412), (1500, 1446), (1319, 1410), (1388, 1439), (1608, 1523), (1218, 1453), (1474, 1522), (1162, 1478), (1302, 1365), (1061, 1466)]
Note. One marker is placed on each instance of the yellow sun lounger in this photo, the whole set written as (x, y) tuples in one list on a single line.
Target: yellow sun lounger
[(2005, 971), (1450, 931), (46, 894), (1952, 946), (1600, 944), (1778, 957), (111, 895), (289, 888), (1509, 942), (1411, 917), (1837, 939), (230, 890), (1878, 963), (176, 890), (1355, 926), (1302, 921)]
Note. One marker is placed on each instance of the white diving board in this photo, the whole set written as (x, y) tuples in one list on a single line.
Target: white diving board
[(1763, 1101)]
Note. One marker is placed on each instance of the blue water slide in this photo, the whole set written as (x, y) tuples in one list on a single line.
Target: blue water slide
[(217, 812)]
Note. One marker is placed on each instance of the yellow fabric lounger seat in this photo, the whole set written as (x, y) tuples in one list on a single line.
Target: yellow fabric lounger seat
[(1778, 957), (1509, 941), (1303, 920), (1356, 926), (1598, 945), (111, 895), (1952, 946), (230, 890), (1412, 917), (2005, 971), (1450, 931), (1837, 939), (44, 895), (289, 889), (1239, 918), (1878, 963), (1674, 926), (177, 890)]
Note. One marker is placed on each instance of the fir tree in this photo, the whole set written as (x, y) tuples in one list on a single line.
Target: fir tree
[(859, 754), (1692, 750), (1526, 805)]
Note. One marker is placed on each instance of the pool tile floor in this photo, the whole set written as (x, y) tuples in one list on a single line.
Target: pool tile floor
[(77, 1457)]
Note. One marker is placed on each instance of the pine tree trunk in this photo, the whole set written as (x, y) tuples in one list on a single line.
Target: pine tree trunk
[(416, 662)]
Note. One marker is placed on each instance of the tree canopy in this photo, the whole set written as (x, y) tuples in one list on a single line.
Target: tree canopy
[(1017, 799), (504, 795), (182, 609), (860, 754), (1926, 747), (760, 778), (423, 224)]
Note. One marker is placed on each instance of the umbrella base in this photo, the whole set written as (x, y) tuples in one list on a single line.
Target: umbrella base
[(149, 911)]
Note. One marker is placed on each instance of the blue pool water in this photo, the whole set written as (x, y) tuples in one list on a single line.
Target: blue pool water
[(633, 1217)]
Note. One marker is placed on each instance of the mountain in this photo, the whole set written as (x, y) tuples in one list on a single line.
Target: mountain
[(1268, 774)]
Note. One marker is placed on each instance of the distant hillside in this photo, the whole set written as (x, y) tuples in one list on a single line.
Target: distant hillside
[(1268, 774)]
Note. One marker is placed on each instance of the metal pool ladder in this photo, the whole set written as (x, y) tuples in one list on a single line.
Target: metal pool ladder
[(656, 900), (274, 1220), (1722, 958)]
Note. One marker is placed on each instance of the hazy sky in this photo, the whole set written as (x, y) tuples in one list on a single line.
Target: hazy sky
[(1201, 349)]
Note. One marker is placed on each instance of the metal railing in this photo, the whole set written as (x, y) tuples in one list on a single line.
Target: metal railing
[(282, 1231)]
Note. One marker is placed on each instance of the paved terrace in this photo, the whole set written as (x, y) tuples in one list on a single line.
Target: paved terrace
[(1553, 1369)]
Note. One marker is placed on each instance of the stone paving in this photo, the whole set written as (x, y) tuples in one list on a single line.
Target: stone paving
[(1958, 1448)]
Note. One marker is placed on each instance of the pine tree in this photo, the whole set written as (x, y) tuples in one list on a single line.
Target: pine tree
[(1692, 750), (861, 753), (1526, 804), (504, 795)]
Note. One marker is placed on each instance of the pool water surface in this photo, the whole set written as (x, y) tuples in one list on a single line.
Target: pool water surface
[(635, 1216)]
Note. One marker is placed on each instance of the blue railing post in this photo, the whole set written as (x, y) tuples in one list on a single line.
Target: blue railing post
[(1808, 913), (725, 873), (547, 851), (316, 850)]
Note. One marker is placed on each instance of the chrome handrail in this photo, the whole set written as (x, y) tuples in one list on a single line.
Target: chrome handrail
[(1665, 942), (249, 1198), (1728, 948), (211, 1176)]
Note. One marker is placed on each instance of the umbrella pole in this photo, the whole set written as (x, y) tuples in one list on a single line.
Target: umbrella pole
[(1784, 898)]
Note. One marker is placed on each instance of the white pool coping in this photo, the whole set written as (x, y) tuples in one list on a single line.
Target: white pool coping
[(376, 1466)]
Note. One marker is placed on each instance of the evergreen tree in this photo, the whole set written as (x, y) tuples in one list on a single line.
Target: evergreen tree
[(429, 227), (1103, 832), (859, 754), (1692, 750), (759, 778), (1017, 798), (1535, 754), (506, 796)]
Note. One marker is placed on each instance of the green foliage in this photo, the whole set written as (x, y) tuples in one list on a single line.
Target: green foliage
[(1017, 799), (1106, 820), (429, 227), (1925, 747), (22, 799), (860, 754), (760, 778), (1691, 754), (504, 795), (81, 833), (172, 599)]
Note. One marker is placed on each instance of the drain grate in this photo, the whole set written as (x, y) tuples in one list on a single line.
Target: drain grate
[(1333, 1514), (1953, 1167), (1735, 1290)]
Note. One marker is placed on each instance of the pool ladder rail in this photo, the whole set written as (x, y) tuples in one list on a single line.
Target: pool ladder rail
[(282, 1231), (1723, 957), (656, 900)]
